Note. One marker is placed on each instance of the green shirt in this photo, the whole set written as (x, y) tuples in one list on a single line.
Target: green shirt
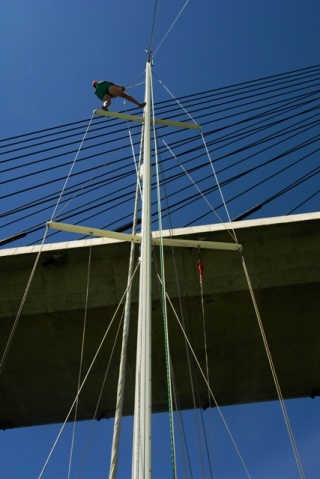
[(102, 88)]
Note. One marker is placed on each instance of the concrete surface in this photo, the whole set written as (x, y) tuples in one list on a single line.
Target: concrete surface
[(39, 380)]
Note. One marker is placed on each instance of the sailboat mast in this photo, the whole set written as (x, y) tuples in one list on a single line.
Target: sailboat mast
[(141, 456)]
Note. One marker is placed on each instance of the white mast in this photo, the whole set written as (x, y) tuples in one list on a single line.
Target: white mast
[(141, 455)]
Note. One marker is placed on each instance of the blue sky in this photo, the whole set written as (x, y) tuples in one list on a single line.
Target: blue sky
[(50, 53)]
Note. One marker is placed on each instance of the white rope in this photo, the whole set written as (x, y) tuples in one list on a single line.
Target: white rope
[(181, 430), (163, 296), (209, 389), (205, 345), (84, 379), (136, 84), (86, 183), (137, 165), (156, 14), (285, 415), (211, 207), (274, 374), (84, 186), (15, 324), (134, 79), (196, 186), (99, 398), (175, 21), (232, 232), (183, 442), (198, 426), (211, 164), (175, 99), (71, 168), (24, 297), (80, 365), (125, 333), (219, 188)]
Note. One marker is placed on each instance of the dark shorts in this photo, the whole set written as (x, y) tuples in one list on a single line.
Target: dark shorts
[(109, 84), (102, 89)]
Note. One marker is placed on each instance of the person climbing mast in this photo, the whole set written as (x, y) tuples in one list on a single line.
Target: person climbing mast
[(106, 90)]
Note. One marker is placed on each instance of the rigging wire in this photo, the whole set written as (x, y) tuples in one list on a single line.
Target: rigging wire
[(257, 129), (84, 186), (183, 442), (100, 397), (156, 13), (70, 171), (80, 363), (213, 169), (231, 143), (164, 303), (86, 376), (194, 183), (126, 326), (274, 374), (171, 27), (271, 363), (286, 418), (163, 282), (306, 72), (209, 388), (22, 303), (201, 278)]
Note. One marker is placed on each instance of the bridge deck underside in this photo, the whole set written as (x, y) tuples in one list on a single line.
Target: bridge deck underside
[(39, 381)]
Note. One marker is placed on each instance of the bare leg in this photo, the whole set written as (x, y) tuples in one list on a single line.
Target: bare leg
[(117, 91), (106, 101)]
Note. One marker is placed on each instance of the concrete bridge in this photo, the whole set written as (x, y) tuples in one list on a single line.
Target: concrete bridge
[(39, 380)]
